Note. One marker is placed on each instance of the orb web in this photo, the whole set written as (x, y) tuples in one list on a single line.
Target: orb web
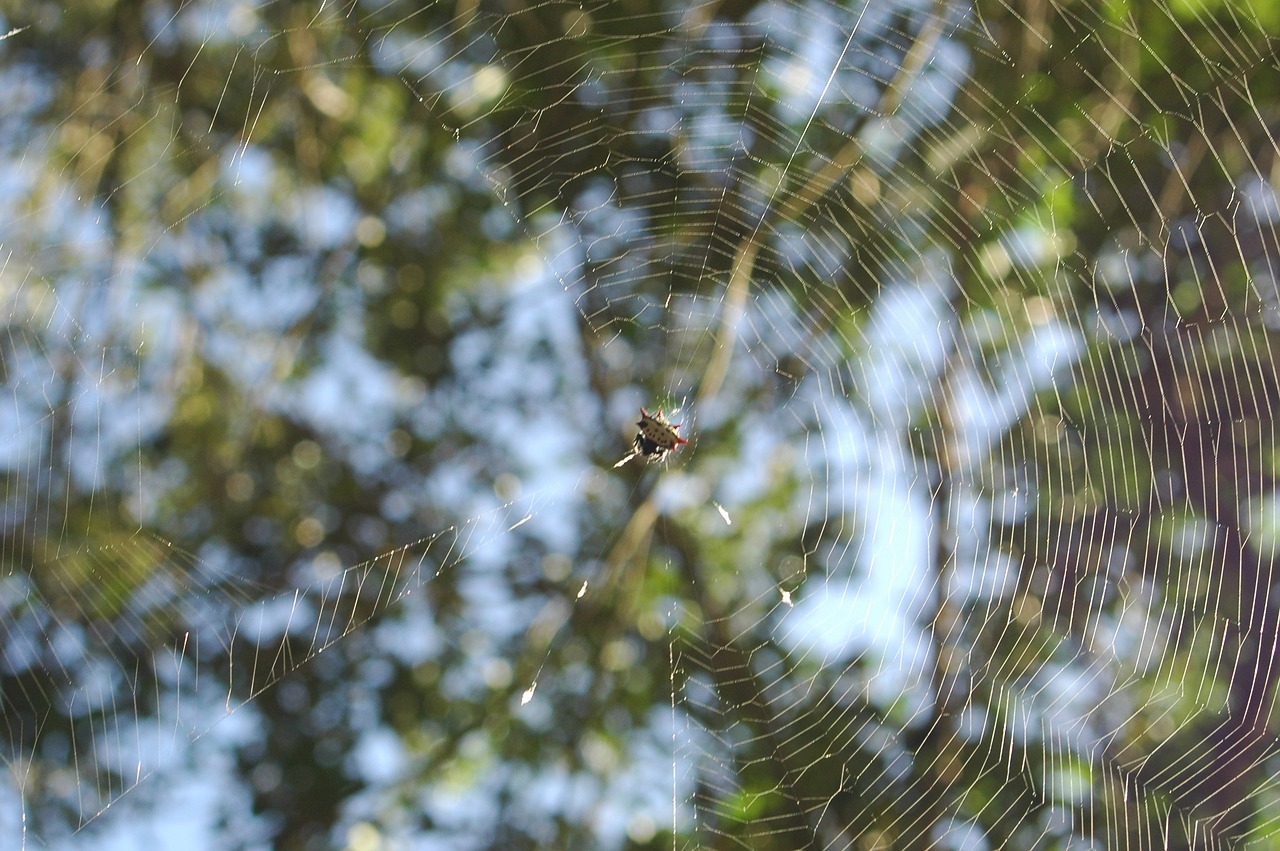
[(326, 326)]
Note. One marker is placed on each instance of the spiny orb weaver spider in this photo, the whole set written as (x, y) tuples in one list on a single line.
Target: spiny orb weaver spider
[(656, 437)]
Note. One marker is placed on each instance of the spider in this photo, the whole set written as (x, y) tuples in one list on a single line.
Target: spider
[(656, 437)]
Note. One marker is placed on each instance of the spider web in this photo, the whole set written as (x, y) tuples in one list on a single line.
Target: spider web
[(326, 326)]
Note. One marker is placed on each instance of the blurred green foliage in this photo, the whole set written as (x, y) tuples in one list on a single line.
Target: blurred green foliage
[(284, 312)]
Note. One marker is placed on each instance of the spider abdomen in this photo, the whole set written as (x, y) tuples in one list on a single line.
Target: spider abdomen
[(656, 437)]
